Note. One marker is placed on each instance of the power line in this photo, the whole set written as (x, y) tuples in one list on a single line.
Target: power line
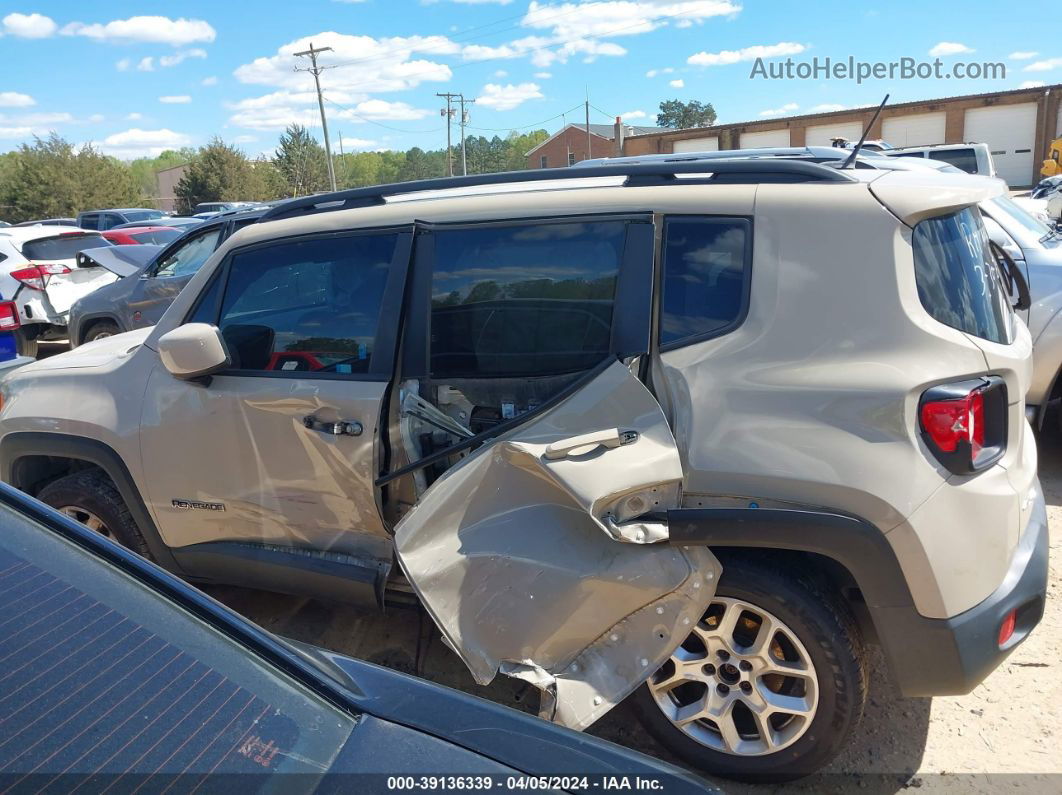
[(356, 115)]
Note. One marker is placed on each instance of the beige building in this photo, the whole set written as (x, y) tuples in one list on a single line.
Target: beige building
[(1017, 125), (167, 180)]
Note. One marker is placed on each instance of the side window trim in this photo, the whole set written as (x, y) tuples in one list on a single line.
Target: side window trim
[(746, 290), (381, 363)]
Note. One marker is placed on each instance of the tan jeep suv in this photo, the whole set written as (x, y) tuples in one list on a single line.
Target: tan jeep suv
[(692, 434)]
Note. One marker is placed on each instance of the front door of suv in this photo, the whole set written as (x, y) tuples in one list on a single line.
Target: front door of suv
[(274, 460)]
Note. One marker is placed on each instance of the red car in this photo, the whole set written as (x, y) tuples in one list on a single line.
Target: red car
[(153, 235)]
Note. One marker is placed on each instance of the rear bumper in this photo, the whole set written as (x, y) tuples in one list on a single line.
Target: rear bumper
[(944, 657)]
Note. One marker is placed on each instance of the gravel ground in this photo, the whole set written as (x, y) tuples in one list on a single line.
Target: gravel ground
[(1005, 736)]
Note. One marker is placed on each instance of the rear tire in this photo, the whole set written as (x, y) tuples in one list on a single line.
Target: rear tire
[(90, 498), (815, 639), (100, 330), (25, 345)]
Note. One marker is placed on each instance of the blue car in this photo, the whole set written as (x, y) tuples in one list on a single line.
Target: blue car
[(9, 321)]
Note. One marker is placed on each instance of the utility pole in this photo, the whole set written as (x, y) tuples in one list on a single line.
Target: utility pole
[(464, 121), (589, 151), (316, 70), (448, 112)]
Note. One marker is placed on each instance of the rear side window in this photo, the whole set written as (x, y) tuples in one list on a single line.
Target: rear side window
[(706, 277), (61, 247), (310, 305), (89, 221), (958, 278), (965, 159), (522, 301)]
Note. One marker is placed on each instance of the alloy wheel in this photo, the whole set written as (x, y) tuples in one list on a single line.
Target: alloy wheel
[(742, 683), (87, 518)]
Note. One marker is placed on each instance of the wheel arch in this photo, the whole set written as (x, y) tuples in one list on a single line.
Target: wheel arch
[(29, 460), (88, 321)]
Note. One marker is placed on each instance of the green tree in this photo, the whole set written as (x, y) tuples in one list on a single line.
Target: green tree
[(145, 169), (301, 162), (51, 178), (218, 172), (679, 115)]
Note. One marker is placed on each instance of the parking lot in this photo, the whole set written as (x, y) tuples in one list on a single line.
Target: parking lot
[(1008, 728)]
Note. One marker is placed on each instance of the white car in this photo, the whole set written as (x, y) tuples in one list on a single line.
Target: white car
[(39, 272), (971, 158)]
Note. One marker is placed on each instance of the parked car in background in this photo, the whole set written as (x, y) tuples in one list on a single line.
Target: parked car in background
[(38, 270), (108, 219), (152, 235), (9, 323), (971, 158), (641, 436), (119, 673), (178, 222), (220, 207), (4, 223), (142, 294), (50, 222)]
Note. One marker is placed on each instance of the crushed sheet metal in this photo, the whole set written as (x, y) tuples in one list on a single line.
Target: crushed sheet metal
[(509, 553)]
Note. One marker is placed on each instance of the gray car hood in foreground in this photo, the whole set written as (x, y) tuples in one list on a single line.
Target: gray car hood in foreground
[(120, 260)]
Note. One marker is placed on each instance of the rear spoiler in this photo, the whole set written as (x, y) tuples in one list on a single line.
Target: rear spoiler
[(120, 260), (913, 196)]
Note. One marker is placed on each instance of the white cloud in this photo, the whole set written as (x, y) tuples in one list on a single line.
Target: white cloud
[(665, 71), (183, 55), (277, 110), (29, 26), (949, 48), (123, 65), (175, 99), (358, 144), (827, 107), (788, 107), (726, 57), (500, 74), (134, 117), (37, 120), (381, 110), (209, 81), (13, 99), (149, 29), (245, 139), (543, 75), (1032, 84), (508, 96), (677, 83), (1023, 55), (631, 115), (143, 143), (15, 132), (1043, 66), (147, 64), (96, 118)]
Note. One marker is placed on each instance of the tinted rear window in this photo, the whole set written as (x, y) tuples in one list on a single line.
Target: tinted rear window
[(158, 237), (527, 300), (141, 215), (964, 159), (62, 247), (958, 278)]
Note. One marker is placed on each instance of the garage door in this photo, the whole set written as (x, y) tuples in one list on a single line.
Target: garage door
[(710, 144), (757, 140), (1010, 132), (822, 134), (920, 129)]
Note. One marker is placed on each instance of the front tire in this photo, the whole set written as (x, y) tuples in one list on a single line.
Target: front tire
[(769, 686), (101, 330), (89, 497)]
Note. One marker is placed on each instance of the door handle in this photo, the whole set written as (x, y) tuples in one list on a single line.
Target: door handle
[(578, 445), (337, 428)]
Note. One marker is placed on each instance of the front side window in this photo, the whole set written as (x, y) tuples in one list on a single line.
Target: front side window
[(189, 257), (309, 305), (706, 273), (958, 278), (523, 300)]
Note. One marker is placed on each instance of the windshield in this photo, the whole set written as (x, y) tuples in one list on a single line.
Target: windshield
[(1018, 222), (102, 673), (61, 247), (958, 280), (141, 215)]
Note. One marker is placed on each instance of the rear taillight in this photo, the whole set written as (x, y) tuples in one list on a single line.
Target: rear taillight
[(36, 277), (965, 424), (9, 320)]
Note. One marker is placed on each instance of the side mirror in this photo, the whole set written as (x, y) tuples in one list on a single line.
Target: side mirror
[(194, 350)]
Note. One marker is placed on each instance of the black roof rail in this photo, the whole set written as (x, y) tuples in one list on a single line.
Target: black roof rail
[(637, 175)]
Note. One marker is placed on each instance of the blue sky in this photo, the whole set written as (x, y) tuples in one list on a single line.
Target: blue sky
[(136, 78)]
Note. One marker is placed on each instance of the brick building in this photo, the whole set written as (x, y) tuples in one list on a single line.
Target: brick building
[(1017, 125), (569, 146)]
